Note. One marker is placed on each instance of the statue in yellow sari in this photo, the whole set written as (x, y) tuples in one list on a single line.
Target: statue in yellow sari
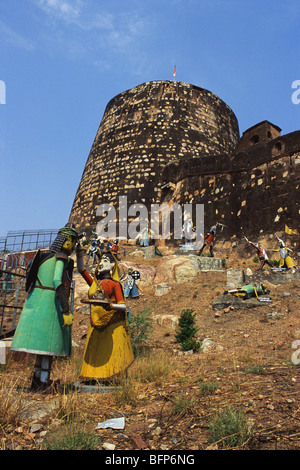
[(108, 350)]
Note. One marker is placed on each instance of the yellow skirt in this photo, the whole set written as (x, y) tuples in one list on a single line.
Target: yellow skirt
[(107, 352), (289, 262)]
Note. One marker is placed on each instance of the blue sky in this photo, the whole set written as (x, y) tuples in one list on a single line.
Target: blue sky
[(61, 61)]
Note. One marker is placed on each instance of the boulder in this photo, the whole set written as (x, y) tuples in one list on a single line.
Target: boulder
[(209, 264), (147, 272), (235, 278), (168, 321), (225, 301), (177, 269), (208, 345), (162, 289)]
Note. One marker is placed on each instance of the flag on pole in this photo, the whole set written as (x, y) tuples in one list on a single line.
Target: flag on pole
[(174, 71), (290, 231)]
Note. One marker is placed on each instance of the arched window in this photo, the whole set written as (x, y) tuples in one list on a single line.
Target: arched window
[(278, 146), (254, 139)]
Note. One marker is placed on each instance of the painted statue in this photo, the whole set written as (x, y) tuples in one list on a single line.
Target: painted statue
[(144, 241), (249, 290), (262, 255), (144, 237), (94, 249), (44, 327), (286, 261), (130, 287), (108, 350), (188, 229), (209, 240), (114, 248)]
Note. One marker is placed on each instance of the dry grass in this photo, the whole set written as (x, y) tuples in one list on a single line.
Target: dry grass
[(170, 398), (150, 368), (183, 393), (11, 402)]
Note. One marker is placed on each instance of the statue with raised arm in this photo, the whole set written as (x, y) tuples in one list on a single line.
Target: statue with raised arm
[(261, 253), (108, 350), (286, 261)]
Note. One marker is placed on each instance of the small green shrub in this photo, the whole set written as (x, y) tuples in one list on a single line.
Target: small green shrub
[(229, 428), (253, 369), (186, 331), (208, 388), (140, 327), (275, 262), (182, 403), (72, 438)]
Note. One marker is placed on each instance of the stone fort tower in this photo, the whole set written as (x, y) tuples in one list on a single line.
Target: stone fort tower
[(143, 130), (166, 141)]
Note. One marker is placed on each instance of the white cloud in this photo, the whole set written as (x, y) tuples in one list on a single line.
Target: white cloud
[(16, 39), (65, 9), (86, 31)]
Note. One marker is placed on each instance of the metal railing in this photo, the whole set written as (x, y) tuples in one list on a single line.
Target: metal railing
[(12, 291), (17, 249), (27, 240)]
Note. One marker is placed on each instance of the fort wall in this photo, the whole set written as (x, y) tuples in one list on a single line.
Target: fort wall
[(253, 193), (141, 131), (173, 142)]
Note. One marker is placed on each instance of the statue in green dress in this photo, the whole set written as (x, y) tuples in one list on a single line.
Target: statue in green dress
[(45, 324)]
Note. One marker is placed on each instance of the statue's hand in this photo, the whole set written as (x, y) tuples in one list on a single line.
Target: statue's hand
[(68, 319)]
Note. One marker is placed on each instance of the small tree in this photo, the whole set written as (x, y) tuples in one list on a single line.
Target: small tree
[(140, 328), (186, 331)]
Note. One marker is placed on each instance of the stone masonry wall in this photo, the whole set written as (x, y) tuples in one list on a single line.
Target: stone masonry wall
[(258, 193), (141, 131), (174, 142)]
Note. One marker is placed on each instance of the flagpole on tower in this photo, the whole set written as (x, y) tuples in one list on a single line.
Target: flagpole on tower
[(174, 73)]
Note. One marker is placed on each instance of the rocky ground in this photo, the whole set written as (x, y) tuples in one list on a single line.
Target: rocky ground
[(250, 362)]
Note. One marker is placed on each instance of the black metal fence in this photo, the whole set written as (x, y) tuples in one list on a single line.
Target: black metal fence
[(12, 291), (27, 240), (17, 249)]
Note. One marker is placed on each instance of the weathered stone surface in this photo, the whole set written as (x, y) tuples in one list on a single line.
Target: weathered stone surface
[(168, 321), (209, 264), (208, 345), (186, 271), (147, 273), (225, 301), (150, 252), (162, 289), (138, 253), (177, 269), (142, 130), (33, 410), (182, 268), (235, 278)]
